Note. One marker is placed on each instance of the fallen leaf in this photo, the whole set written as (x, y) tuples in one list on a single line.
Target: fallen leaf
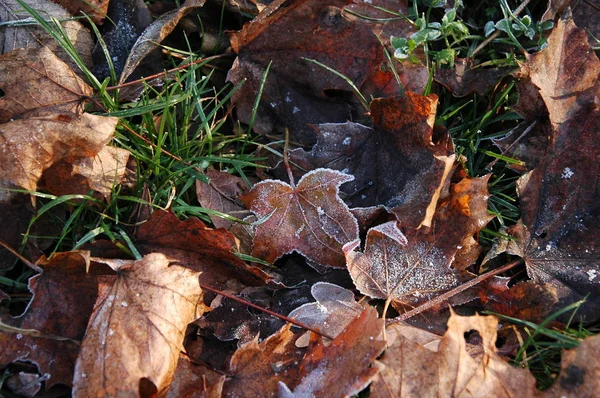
[(411, 370), (195, 381), (257, 368), (296, 91), (334, 309), (395, 164), (394, 268), (345, 367), (34, 36), (566, 71), (48, 139), (63, 299), (95, 9), (309, 218), (525, 300), (221, 194), (206, 250), (36, 80), (560, 222), (132, 343), (580, 371), (463, 79)]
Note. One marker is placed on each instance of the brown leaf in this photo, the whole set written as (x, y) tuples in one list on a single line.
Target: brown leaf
[(63, 298), (195, 381), (221, 194), (95, 9), (137, 328), (395, 164), (28, 36), (463, 79), (345, 367), (392, 267), (559, 232), (295, 93), (30, 146), (309, 218), (37, 80), (580, 371), (525, 300), (566, 71), (411, 370), (257, 368), (202, 249)]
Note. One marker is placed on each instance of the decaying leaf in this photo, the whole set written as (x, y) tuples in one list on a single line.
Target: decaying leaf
[(195, 381), (392, 267), (296, 90), (36, 80), (257, 368), (63, 298), (343, 368), (95, 9), (559, 230), (47, 140), (411, 370), (464, 79), (221, 194), (309, 218), (34, 36), (395, 164), (334, 310), (132, 343)]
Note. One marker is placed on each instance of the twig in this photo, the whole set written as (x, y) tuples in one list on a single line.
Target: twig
[(449, 294), (20, 257), (266, 311)]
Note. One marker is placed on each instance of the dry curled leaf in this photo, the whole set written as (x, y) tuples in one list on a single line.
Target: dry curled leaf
[(309, 218), (36, 80), (136, 331)]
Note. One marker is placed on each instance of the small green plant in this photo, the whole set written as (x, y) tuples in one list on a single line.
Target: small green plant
[(450, 30)]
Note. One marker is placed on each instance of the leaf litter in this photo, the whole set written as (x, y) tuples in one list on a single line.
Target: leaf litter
[(388, 168)]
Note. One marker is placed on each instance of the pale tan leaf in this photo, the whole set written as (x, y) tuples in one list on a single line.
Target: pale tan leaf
[(105, 170), (34, 36), (37, 80), (137, 329), (30, 146)]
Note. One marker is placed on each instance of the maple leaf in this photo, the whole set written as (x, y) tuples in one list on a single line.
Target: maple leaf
[(51, 138), (137, 328), (411, 370), (392, 267), (343, 368), (63, 299), (559, 230), (395, 164), (35, 80), (309, 218), (257, 368), (295, 92)]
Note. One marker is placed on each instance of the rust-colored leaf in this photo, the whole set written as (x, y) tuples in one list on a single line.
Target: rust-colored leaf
[(95, 9), (392, 267), (195, 381), (63, 298), (202, 249), (257, 368), (345, 367), (309, 218), (36, 80), (136, 331), (29, 146)]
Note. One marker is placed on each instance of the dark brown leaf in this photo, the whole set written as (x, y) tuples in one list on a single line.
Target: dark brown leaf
[(195, 381), (309, 218), (221, 194), (464, 79)]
